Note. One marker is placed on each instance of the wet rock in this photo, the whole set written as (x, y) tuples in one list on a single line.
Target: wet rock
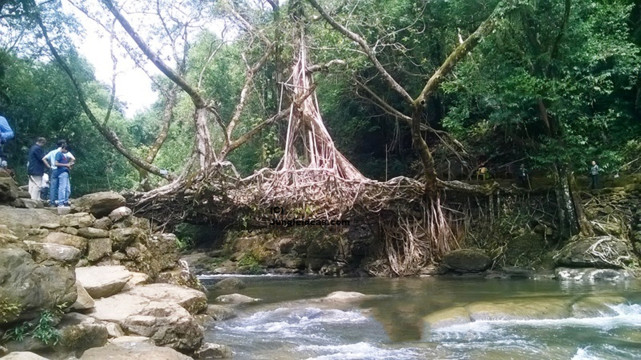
[(31, 286), (213, 351), (122, 238), (77, 220), (98, 248), (8, 190), (597, 252), (467, 260), (104, 223), (229, 284), (102, 281), (592, 274), (60, 238), (447, 317), (100, 204), (519, 309), (344, 296), (596, 306), (192, 300), (220, 312), (236, 299)]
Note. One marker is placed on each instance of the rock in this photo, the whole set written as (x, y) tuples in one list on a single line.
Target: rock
[(32, 287), (132, 351), (60, 238), (23, 355), (229, 284), (592, 275), (119, 214), (180, 277), (80, 332), (20, 220), (447, 317), (220, 312), (63, 210), (137, 279), (103, 281), (345, 296), (78, 220), (122, 238), (167, 325), (47, 251), (213, 351), (84, 301), (114, 330), (596, 306), (93, 233), (597, 252), (104, 223), (100, 204), (236, 299), (32, 204), (192, 300), (467, 260), (8, 190), (98, 248), (69, 230), (519, 309)]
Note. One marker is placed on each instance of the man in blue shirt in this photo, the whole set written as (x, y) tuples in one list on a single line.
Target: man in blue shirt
[(50, 162), (5, 134), (36, 168), (63, 163)]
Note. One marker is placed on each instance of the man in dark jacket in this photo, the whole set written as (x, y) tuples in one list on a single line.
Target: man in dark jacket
[(36, 168)]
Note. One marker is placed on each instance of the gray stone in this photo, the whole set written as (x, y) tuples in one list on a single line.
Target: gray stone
[(84, 300), (21, 220), (103, 281), (220, 312), (8, 190), (119, 214), (63, 210), (48, 251), (192, 300), (100, 204), (104, 223), (122, 238), (229, 284), (133, 351), (467, 260), (235, 299), (213, 351), (60, 238), (114, 330), (93, 233), (32, 204), (77, 220), (98, 248), (596, 252), (137, 279), (23, 355), (79, 333), (591, 275)]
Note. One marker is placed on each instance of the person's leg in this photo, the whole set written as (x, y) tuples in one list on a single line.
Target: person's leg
[(35, 182), (53, 189), (68, 191), (63, 179)]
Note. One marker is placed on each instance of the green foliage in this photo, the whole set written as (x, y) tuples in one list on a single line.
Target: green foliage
[(43, 328), (9, 309), (250, 263)]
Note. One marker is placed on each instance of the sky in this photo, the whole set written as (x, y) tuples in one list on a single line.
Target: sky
[(133, 86)]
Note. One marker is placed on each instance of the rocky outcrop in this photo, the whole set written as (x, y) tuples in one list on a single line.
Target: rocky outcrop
[(466, 260), (192, 300), (80, 332), (597, 252), (103, 281), (132, 348), (8, 190), (31, 287)]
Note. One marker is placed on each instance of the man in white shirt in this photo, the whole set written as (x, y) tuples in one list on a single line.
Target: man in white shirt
[(50, 162)]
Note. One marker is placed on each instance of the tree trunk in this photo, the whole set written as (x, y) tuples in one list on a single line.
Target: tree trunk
[(204, 147)]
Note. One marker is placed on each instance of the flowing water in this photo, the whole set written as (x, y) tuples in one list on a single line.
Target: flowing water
[(289, 324)]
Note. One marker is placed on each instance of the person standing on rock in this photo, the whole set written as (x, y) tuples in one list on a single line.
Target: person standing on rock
[(63, 163), (594, 175), (6, 133), (50, 162), (36, 168)]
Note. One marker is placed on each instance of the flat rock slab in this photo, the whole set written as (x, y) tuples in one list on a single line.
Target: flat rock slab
[(133, 351), (520, 309), (20, 220), (192, 300), (101, 203), (103, 281), (49, 251), (61, 238), (23, 355)]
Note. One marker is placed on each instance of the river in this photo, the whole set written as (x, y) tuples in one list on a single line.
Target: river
[(289, 324)]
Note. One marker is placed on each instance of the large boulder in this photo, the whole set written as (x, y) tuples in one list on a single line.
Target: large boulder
[(119, 214), (84, 300), (31, 287), (122, 238), (165, 323), (192, 300), (132, 348), (100, 204), (236, 299), (78, 220), (23, 355), (103, 281), (48, 251), (520, 309), (8, 190), (231, 283), (98, 248), (213, 351), (467, 260), (20, 221), (80, 332), (597, 252)]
